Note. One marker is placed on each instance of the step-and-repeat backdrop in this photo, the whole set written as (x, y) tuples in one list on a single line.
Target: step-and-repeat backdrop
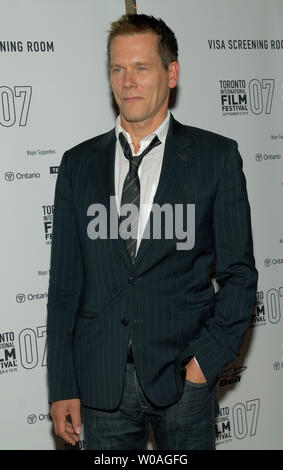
[(54, 93)]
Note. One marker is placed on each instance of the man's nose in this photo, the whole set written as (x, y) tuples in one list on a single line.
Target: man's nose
[(129, 79)]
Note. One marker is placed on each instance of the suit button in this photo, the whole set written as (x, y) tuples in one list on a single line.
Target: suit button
[(124, 322), (132, 280)]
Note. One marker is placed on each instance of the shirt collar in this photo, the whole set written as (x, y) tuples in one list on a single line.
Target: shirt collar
[(161, 132)]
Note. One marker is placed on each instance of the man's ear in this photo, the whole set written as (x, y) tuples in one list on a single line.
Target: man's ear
[(174, 69)]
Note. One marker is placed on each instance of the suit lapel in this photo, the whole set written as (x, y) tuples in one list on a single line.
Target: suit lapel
[(103, 174), (177, 161)]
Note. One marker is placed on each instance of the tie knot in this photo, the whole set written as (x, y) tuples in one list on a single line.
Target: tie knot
[(135, 160)]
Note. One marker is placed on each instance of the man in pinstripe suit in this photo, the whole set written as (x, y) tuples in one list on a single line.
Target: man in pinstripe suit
[(136, 332)]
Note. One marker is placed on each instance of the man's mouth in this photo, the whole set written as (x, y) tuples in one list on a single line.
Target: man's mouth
[(132, 98)]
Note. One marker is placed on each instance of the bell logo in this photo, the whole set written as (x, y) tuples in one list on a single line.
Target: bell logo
[(20, 298), (9, 176)]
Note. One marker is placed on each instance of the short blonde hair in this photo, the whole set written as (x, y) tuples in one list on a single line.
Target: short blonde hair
[(134, 23)]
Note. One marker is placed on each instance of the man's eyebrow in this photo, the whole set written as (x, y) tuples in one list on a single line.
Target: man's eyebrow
[(143, 63), (136, 63)]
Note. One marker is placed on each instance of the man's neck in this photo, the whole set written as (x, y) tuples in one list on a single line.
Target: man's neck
[(139, 130)]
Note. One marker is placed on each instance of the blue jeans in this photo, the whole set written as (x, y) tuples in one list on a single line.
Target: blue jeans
[(188, 424)]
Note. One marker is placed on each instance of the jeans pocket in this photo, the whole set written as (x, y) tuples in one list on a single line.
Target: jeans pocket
[(196, 384)]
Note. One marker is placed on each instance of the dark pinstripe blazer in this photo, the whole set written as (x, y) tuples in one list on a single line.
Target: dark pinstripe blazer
[(166, 300)]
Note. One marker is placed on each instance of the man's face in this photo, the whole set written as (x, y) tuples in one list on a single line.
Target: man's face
[(139, 81)]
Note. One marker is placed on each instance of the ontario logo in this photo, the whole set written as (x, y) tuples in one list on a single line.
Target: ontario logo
[(9, 176)]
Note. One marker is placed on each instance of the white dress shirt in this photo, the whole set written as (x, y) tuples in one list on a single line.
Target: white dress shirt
[(149, 170)]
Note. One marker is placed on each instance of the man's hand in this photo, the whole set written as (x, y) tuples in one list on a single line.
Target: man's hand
[(60, 410), (194, 372)]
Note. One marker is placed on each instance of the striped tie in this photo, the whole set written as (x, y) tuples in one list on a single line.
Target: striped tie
[(131, 189)]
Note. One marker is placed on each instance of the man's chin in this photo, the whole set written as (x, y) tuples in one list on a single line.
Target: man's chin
[(132, 117)]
